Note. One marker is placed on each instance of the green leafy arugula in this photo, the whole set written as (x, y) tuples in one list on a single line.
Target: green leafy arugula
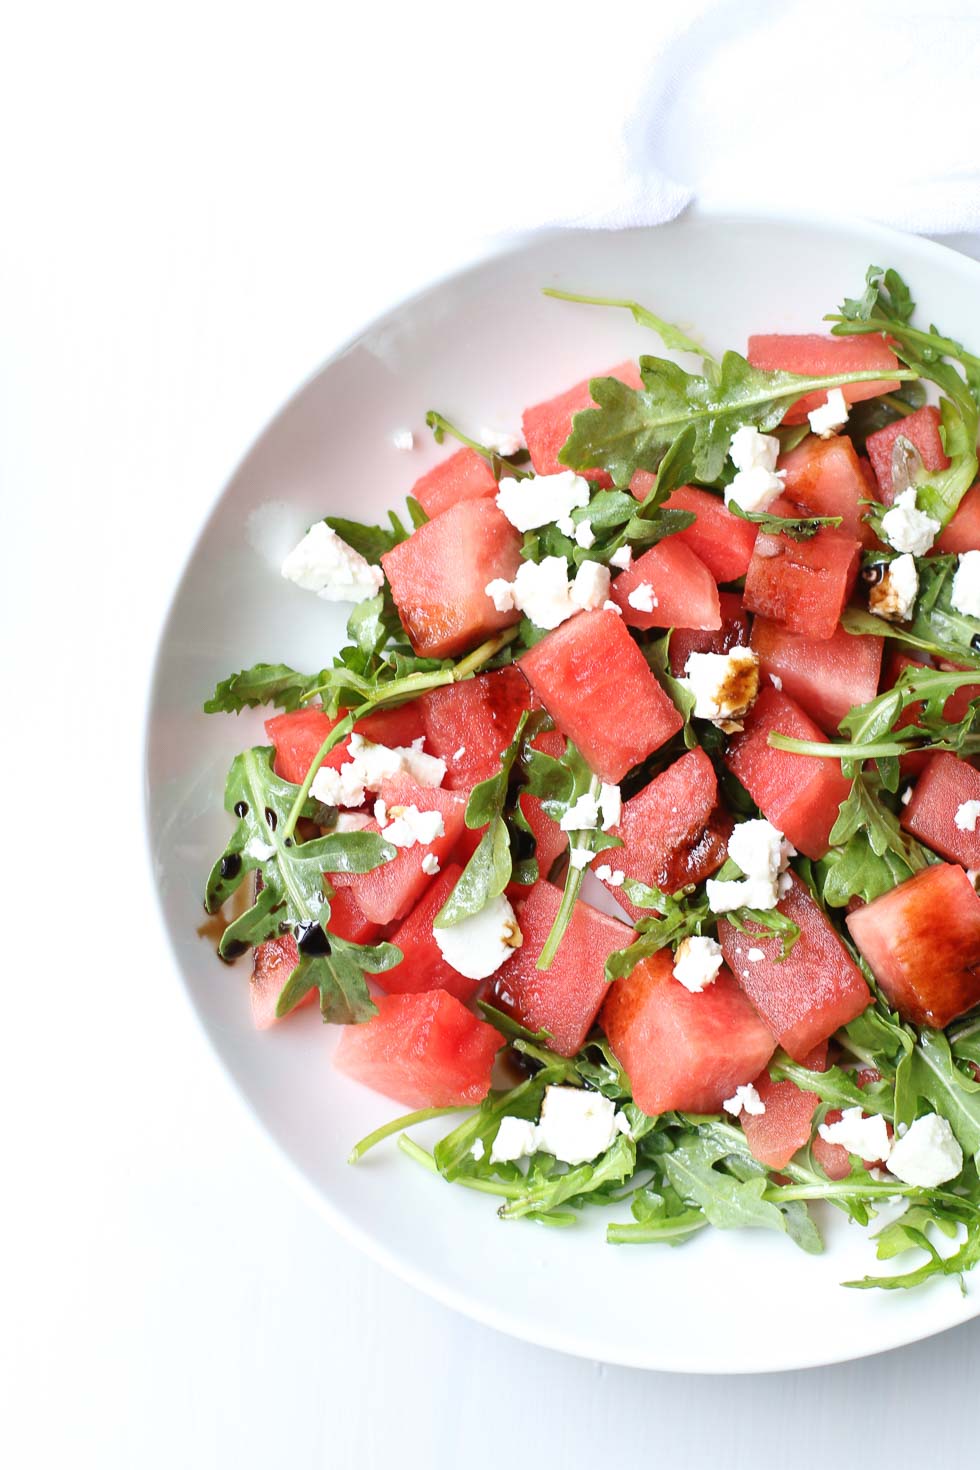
[(511, 465), (275, 684), (936, 627), (797, 528), (672, 337)]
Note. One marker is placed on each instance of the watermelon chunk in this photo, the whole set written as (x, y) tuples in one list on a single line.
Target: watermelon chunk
[(299, 734), (825, 676), (953, 710), (922, 941), (800, 794), (721, 540), (963, 531), (775, 1135), (733, 633), (469, 724), (802, 584), (438, 575), (805, 997), (547, 425), (824, 478), (816, 356), (564, 999), (684, 590), (945, 784), (274, 961), (683, 1051), (921, 429), (388, 892), (425, 1051), (423, 967), (465, 475), (597, 686), (673, 832)]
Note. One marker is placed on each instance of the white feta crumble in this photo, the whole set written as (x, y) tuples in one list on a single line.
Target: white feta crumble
[(612, 607), (584, 534), (610, 805), (379, 763), (754, 955), (566, 525), (256, 848), (515, 1140), (724, 685), (576, 1125), (500, 441), (966, 816), (403, 439), (615, 877), (893, 597), (501, 594), (965, 595), (763, 854), (697, 961), (535, 502), (430, 865), (478, 1149), (928, 1154), (754, 456), (580, 857), (479, 945), (352, 822), (410, 826), (623, 558), (339, 788), (582, 815), (907, 528), (750, 450), (324, 564), (458, 754), (867, 1138), (591, 585), (906, 796), (830, 416), (746, 1099), (380, 811), (776, 682), (541, 590), (643, 598)]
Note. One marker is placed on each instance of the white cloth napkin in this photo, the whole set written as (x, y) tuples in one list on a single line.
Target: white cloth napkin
[(856, 106)]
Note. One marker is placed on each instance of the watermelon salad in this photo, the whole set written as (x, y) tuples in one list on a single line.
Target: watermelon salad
[(635, 828)]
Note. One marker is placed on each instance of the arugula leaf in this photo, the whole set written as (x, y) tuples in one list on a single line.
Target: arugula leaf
[(632, 429), (798, 528), (657, 654), (872, 414), (677, 917), (930, 1071), (545, 1193), (499, 464), (275, 684), (672, 337), (726, 1200), (371, 541)]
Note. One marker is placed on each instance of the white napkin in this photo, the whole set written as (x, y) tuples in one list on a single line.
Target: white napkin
[(856, 106)]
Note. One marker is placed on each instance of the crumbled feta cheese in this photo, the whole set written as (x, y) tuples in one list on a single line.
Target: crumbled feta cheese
[(747, 1100), (403, 439), (324, 564), (865, 1137), (352, 822), (516, 1139), (541, 590), (610, 805), (410, 826), (566, 525), (750, 450), (582, 815), (763, 854), (591, 585), (339, 788), (927, 1155), (906, 796), (776, 681), (580, 857), (622, 558), (380, 812), (500, 441), (755, 955), (615, 877), (643, 598), (612, 607), (893, 597), (430, 864), (576, 1125), (479, 945), (528, 504), (754, 489), (584, 535), (260, 851), (478, 1150), (458, 754), (965, 595), (830, 416), (906, 528), (377, 763), (697, 961), (726, 894), (501, 594), (724, 685), (966, 816)]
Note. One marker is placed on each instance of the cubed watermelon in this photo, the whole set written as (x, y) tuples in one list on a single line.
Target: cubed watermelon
[(465, 475), (274, 961), (565, 998), (388, 892), (548, 425), (963, 531), (683, 1051), (825, 676), (470, 723), (823, 477), (800, 794), (802, 584), (422, 966), (299, 734), (425, 1051), (721, 540), (922, 430), (816, 356), (805, 997), (597, 686), (953, 710), (946, 784), (775, 1135), (683, 593), (922, 941), (673, 831), (733, 633), (439, 574)]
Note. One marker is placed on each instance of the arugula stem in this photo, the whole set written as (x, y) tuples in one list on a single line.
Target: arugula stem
[(897, 404), (418, 1153), (573, 886), (407, 1120), (845, 327), (650, 1234), (832, 1189)]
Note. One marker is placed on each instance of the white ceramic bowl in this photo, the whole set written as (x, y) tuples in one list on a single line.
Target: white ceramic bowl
[(480, 345)]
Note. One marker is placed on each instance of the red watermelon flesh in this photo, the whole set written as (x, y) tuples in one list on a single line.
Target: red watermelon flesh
[(597, 686), (733, 633), (565, 998), (802, 584), (775, 1135), (299, 734), (274, 961), (921, 429), (816, 356), (439, 574), (684, 590), (721, 540), (800, 794), (945, 785), (825, 676), (547, 425), (805, 997), (824, 478), (963, 531), (465, 475), (953, 710), (680, 1050), (423, 967), (424, 1050), (471, 723)]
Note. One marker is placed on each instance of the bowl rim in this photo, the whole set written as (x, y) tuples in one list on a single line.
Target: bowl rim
[(716, 209)]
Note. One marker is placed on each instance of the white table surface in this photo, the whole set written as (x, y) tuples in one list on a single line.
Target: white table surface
[(198, 203)]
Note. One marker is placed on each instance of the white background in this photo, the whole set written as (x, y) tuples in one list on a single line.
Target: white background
[(198, 202)]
